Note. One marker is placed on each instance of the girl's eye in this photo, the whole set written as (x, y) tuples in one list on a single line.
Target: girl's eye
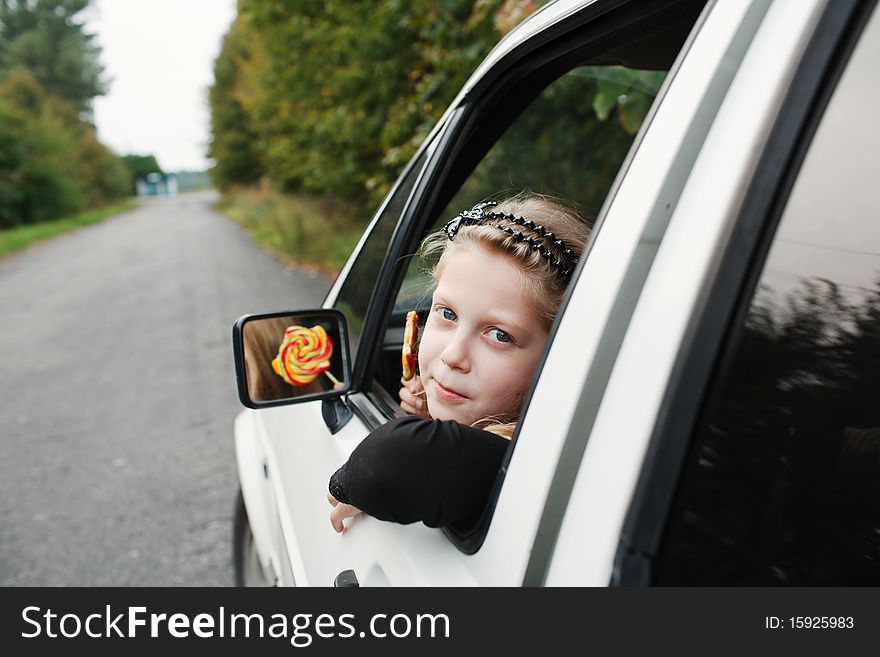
[(499, 335), (447, 314)]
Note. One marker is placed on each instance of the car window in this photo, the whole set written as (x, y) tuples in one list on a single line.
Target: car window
[(782, 482), (357, 289), (569, 142), (560, 120)]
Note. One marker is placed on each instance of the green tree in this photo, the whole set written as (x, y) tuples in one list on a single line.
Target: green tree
[(138, 166), (12, 153), (334, 97), (104, 174), (51, 163), (234, 137), (47, 38), (43, 169)]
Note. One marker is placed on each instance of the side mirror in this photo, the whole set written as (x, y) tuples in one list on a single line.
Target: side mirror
[(291, 357)]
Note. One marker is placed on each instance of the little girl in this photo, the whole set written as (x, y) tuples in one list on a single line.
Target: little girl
[(500, 278)]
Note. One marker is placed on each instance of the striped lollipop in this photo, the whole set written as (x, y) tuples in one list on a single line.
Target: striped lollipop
[(303, 355), (409, 353)]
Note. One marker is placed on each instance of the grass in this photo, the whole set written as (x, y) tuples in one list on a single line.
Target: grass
[(299, 230), (21, 237)]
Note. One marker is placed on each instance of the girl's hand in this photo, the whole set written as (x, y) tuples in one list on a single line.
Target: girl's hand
[(340, 512), (412, 397)]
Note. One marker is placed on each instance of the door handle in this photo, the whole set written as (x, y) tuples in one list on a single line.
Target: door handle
[(346, 579)]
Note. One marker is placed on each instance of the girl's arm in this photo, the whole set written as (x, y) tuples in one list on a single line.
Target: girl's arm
[(411, 470)]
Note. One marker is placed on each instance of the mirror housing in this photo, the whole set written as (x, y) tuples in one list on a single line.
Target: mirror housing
[(291, 357)]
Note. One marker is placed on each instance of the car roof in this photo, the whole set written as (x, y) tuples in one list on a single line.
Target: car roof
[(549, 14)]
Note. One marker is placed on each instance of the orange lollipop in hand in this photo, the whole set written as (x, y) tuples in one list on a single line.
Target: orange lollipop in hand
[(410, 345), (303, 355)]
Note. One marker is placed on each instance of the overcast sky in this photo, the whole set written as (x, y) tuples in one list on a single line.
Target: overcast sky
[(159, 57)]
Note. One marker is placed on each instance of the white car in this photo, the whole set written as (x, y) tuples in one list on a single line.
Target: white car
[(707, 408)]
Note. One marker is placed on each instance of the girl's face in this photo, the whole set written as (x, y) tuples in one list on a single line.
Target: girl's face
[(482, 340)]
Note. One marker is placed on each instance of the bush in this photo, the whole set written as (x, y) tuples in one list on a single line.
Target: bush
[(51, 163), (333, 97)]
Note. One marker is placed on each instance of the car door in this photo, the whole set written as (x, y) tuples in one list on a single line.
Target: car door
[(782, 471), (719, 452), (558, 108)]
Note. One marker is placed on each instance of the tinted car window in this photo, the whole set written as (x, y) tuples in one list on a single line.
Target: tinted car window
[(783, 482)]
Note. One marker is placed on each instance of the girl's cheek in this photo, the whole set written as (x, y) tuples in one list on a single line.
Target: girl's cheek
[(426, 349)]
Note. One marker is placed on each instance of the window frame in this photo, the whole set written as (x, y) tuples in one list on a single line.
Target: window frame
[(597, 29), (727, 297)]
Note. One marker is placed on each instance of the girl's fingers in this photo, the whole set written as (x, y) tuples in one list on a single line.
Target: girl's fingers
[(414, 385), (409, 399), (339, 513), (412, 397), (332, 499), (336, 522)]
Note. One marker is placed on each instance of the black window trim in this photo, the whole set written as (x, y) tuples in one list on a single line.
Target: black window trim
[(726, 297)]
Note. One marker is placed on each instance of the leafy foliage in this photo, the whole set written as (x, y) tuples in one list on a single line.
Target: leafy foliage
[(588, 105), (334, 97), (297, 229), (234, 136), (51, 162), (138, 166), (46, 38)]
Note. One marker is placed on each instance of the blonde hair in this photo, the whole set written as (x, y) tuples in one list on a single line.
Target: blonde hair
[(545, 285)]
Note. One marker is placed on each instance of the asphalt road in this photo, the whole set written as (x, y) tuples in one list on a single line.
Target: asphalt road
[(117, 396)]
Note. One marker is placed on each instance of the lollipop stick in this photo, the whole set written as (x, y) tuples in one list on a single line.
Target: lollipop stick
[(332, 378)]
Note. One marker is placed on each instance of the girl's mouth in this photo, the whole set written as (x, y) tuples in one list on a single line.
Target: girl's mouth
[(447, 394)]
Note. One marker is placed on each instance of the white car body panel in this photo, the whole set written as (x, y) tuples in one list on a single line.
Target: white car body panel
[(612, 463), (252, 458)]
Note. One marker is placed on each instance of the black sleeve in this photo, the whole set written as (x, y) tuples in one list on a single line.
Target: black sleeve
[(411, 469)]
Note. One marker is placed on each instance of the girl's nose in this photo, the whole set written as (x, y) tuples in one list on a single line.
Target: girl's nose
[(455, 354)]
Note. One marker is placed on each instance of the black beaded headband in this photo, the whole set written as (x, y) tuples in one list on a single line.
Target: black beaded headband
[(563, 261)]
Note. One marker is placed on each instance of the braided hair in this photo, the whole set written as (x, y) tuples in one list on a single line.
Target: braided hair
[(543, 235)]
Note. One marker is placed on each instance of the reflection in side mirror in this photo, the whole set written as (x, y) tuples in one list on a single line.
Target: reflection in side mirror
[(290, 357)]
